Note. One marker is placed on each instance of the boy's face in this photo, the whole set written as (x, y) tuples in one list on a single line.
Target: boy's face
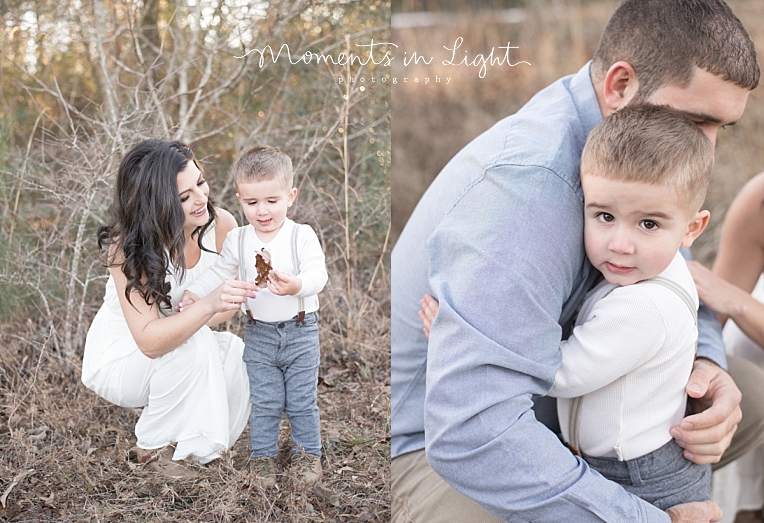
[(632, 230), (265, 205)]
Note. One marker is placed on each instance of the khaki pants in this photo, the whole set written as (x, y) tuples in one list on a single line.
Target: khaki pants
[(749, 378), (419, 495)]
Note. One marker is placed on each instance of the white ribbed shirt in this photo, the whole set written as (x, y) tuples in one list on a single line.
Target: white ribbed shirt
[(629, 356), (268, 306)]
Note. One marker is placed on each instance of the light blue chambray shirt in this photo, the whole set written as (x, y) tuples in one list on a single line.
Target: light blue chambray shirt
[(498, 240)]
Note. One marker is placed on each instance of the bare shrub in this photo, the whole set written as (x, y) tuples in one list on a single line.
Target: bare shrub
[(80, 84)]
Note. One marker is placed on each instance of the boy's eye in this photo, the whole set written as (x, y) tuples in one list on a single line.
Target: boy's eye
[(272, 201), (605, 217), (649, 225)]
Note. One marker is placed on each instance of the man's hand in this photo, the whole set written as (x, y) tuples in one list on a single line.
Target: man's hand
[(715, 399), (695, 512)]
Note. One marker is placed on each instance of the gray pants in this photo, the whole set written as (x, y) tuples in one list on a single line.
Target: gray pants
[(282, 364), (663, 477)]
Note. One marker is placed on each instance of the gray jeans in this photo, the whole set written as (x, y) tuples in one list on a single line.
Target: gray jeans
[(663, 477), (282, 364)]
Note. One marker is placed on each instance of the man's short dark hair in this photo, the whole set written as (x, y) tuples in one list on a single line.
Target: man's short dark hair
[(664, 40)]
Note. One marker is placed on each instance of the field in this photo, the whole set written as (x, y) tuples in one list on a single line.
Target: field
[(78, 88)]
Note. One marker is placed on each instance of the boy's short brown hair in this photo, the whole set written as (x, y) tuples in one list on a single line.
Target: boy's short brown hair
[(664, 40), (652, 144), (262, 163)]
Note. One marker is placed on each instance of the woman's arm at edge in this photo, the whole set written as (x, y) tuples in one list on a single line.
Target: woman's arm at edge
[(740, 259)]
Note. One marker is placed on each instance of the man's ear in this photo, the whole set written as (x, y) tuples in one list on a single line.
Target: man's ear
[(619, 88), (697, 226)]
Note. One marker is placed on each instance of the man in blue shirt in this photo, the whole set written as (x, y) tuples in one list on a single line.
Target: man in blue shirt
[(497, 239)]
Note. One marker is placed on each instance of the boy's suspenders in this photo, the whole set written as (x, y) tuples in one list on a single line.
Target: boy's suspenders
[(574, 417), (295, 270)]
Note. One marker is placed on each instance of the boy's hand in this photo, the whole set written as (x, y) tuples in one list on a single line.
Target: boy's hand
[(430, 307), (283, 284), (187, 299)]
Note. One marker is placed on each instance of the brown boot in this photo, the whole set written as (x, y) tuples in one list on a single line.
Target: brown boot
[(306, 469), (160, 461), (262, 471)]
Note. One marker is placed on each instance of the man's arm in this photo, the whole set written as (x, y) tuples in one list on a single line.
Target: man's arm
[(710, 342), (713, 395), (502, 264)]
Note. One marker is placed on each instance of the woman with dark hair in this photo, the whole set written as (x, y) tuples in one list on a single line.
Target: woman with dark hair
[(191, 382)]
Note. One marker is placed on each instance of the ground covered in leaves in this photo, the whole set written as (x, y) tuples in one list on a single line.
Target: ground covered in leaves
[(63, 450)]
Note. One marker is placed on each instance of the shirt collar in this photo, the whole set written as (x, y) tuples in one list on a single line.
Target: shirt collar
[(585, 99)]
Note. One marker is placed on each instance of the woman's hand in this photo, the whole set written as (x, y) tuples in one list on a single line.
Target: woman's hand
[(187, 299), (427, 315), (230, 295), (720, 295)]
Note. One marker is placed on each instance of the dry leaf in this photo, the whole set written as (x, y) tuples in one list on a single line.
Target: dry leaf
[(16, 480), (263, 267)]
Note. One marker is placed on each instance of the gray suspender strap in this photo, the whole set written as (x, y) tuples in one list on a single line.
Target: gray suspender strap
[(680, 291), (296, 271), (242, 268), (574, 417)]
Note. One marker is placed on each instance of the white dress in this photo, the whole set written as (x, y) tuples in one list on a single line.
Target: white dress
[(740, 485), (196, 396)]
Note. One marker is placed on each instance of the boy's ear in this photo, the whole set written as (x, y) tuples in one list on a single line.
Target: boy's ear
[(697, 226), (238, 197), (620, 86), (292, 196)]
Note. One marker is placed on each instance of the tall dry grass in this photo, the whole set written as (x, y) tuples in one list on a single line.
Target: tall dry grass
[(128, 74)]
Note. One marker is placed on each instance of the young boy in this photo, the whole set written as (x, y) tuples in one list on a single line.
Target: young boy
[(644, 173), (281, 348)]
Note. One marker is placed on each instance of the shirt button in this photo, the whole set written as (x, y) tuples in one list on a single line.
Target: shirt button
[(281, 325)]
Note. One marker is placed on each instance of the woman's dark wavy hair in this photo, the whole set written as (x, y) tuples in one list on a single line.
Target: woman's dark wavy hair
[(147, 219)]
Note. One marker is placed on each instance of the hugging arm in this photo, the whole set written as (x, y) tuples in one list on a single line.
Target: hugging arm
[(714, 397), (500, 263)]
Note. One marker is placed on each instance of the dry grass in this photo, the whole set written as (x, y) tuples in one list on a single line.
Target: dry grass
[(64, 449), (557, 39)]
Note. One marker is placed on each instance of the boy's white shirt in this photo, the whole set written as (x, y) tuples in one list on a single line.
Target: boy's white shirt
[(268, 306), (630, 354)]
